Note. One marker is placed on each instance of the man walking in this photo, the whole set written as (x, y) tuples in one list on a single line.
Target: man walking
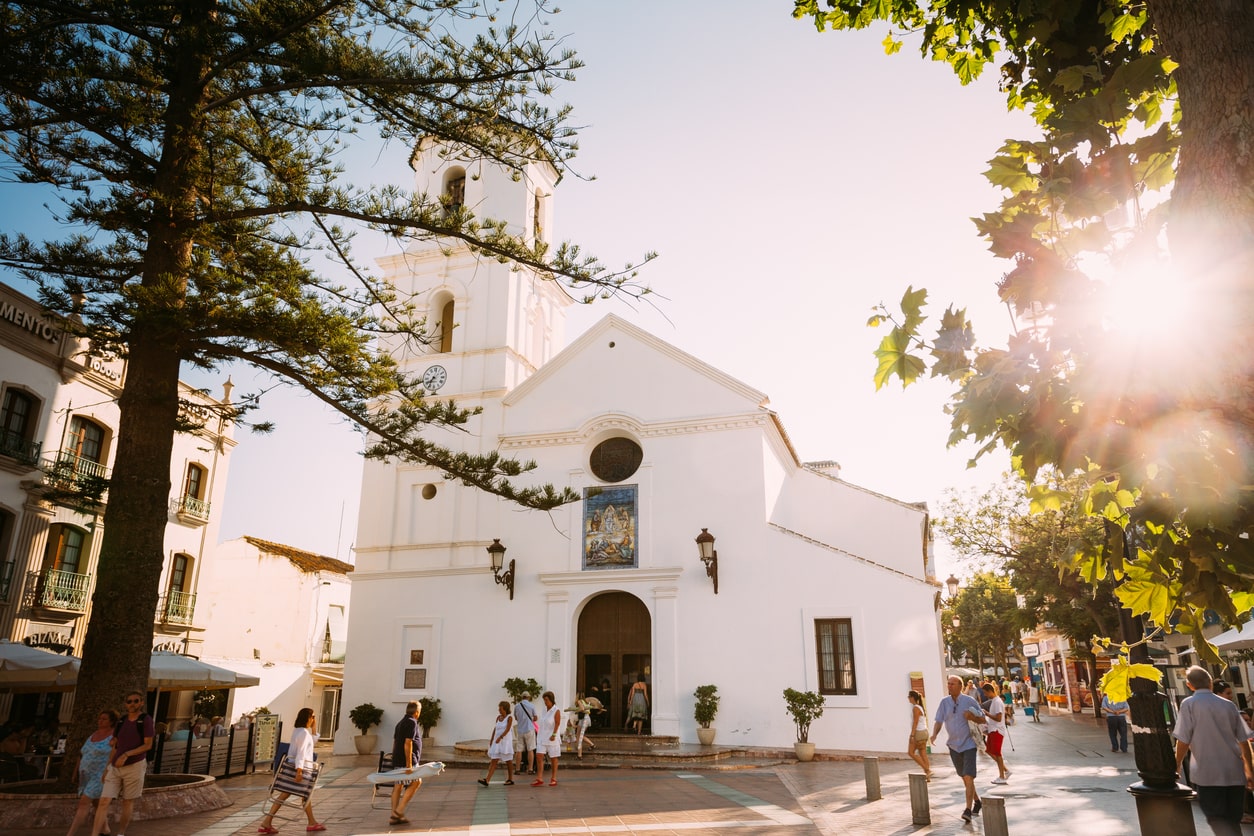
[(406, 753), (1116, 723), (525, 729), (1211, 731), (128, 763), (995, 715), (954, 713)]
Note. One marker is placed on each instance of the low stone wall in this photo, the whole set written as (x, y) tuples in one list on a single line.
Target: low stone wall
[(21, 810)]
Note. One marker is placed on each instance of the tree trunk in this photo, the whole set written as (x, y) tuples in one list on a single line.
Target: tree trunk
[(118, 647), (1211, 227)]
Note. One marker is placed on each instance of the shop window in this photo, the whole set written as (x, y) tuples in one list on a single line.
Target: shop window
[(834, 643)]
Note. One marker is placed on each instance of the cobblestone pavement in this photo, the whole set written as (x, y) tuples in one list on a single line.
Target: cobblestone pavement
[(1064, 779)]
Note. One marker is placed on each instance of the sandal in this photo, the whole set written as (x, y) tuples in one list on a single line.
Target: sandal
[(510, 782), (313, 828), (265, 829), (553, 783), (539, 782), (398, 819), (483, 782)]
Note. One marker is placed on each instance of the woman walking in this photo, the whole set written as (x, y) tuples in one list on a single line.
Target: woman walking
[(92, 760), (638, 704), (301, 753), (546, 741), (583, 722), (502, 745), (917, 747)]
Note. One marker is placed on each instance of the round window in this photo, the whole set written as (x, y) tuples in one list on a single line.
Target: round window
[(616, 459)]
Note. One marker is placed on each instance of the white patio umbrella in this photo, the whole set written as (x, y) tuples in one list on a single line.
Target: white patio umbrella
[(175, 672), (1236, 638), (29, 667)]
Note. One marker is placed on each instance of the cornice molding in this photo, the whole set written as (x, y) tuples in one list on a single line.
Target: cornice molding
[(625, 422)]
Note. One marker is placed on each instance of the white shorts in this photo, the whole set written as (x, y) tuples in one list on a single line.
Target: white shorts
[(551, 749), (126, 782)]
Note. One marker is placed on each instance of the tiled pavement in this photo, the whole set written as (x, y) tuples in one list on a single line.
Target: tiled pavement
[(1064, 779)]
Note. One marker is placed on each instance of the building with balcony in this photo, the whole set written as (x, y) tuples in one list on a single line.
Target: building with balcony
[(288, 611), (58, 425)]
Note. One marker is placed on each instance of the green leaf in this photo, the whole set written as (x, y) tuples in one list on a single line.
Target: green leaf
[(911, 306), (1011, 173), (891, 45), (1044, 498), (1117, 682), (876, 321), (895, 360)]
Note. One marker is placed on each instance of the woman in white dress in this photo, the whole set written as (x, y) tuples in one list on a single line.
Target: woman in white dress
[(501, 747), (547, 741), (301, 753)]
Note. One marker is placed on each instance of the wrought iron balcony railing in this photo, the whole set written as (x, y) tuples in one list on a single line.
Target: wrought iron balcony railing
[(69, 471), (190, 506), (59, 590), (15, 446), (178, 608)]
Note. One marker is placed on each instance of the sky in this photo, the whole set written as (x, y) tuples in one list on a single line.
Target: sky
[(789, 180)]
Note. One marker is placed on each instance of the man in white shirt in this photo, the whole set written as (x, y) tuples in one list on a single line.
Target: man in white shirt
[(995, 717)]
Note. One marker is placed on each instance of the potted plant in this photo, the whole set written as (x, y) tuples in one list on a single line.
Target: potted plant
[(805, 707), (365, 717), (704, 711), (429, 716)]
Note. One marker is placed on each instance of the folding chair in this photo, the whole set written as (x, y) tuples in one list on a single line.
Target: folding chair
[(385, 765), (298, 793)]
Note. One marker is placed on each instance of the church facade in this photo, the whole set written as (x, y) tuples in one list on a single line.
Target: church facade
[(701, 551)]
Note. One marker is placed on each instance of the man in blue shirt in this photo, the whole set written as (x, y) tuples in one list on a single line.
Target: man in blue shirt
[(1212, 731), (954, 712), (1116, 723)]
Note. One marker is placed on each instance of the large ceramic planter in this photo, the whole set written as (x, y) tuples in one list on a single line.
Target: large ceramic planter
[(705, 736), (805, 751), (365, 743)]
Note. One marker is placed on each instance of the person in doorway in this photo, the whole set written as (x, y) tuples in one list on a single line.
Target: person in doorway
[(300, 752), (547, 742), (638, 704), (995, 722), (916, 747), (501, 745), (526, 724), (583, 722), (954, 713), (1210, 731), (93, 758), (128, 763), (1116, 722), (406, 753)]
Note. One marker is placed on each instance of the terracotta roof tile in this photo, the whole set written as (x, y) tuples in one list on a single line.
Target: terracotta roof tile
[(302, 560)]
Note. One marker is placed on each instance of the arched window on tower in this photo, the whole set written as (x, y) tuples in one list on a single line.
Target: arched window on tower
[(537, 216), (454, 193), (446, 326)]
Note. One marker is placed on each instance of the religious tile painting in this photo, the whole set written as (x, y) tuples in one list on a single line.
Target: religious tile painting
[(610, 519)]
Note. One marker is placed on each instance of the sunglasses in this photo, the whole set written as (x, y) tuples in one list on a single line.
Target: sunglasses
[(133, 702)]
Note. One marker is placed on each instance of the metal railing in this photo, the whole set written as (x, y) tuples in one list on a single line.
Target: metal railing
[(68, 470), (59, 590), (178, 608), (192, 507), (14, 446)]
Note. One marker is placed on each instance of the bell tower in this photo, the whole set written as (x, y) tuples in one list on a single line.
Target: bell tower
[(492, 324)]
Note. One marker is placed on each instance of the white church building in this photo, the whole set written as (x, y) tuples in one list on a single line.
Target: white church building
[(814, 583)]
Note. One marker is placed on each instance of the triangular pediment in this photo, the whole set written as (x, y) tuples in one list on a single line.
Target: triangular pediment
[(618, 367)]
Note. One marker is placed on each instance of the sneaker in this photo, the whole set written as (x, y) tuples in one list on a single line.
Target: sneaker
[(1007, 774), (977, 806), (999, 780), (966, 815)]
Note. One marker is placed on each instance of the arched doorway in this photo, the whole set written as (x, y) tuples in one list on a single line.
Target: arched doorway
[(615, 645)]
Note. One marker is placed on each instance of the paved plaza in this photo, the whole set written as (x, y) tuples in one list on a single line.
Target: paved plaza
[(1064, 779)]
